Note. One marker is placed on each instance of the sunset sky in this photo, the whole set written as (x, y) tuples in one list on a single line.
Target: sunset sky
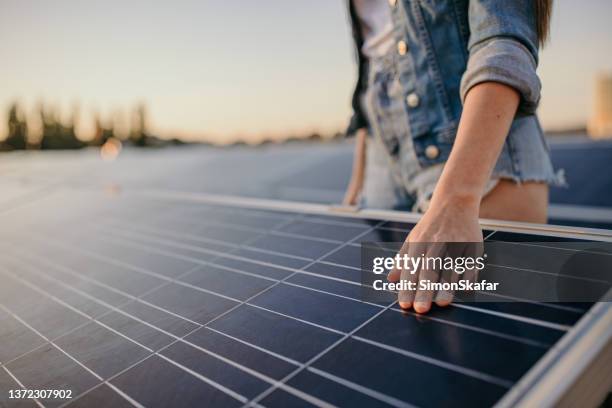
[(222, 69)]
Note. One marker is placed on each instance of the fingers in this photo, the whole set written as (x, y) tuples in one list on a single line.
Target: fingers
[(405, 297), (429, 273), (445, 297), (420, 294), (350, 198), (395, 274), (424, 297)]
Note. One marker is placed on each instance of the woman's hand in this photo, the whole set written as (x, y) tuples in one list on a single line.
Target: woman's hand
[(356, 184), (352, 193), (452, 215), (445, 225)]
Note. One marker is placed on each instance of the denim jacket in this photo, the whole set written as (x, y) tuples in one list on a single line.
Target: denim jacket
[(444, 48)]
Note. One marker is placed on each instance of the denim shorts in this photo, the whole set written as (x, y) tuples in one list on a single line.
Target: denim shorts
[(394, 178)]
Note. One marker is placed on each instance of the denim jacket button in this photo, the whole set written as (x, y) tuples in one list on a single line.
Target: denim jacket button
[(432, 151), (402, 48), (412, 100), (392, 2)]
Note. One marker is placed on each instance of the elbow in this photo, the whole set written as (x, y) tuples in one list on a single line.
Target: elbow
[(506, 61)]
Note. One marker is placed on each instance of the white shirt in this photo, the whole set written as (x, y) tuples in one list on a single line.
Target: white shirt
[(376, 26)]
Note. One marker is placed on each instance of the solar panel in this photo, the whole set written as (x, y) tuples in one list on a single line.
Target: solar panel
[(144, 300)]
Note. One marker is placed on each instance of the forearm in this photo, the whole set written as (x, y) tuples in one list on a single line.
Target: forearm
[(356, 183), (359, 157), (488, 112)]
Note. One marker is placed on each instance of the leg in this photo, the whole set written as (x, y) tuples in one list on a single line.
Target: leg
[(525, 202)]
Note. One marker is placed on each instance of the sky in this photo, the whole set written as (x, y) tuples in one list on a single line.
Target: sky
[(221, 70)]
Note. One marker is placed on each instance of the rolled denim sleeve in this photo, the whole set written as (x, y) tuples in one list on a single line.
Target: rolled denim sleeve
[(503, 47)]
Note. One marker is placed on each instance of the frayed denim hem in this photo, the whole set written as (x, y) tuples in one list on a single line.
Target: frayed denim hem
[(555, 179)]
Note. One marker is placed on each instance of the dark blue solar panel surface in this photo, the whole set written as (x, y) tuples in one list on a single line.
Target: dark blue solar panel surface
[(126, 300)]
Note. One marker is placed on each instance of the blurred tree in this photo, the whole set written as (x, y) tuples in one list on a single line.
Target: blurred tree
[(102, 133), (17, 138), (138, 134), (97, 139), (55, 135)]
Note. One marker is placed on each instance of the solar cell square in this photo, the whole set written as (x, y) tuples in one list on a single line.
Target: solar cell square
[(398, 225), (250, 218), (139, 331), (349, 255), (273, 259), (81, 284), (381, 234), (279, 334), (543, 286), (101, 397), (348, 289), (580, 261), (132, 281), (217, 370), (170, 239), (169, 322), (241, 352), (333, 392), (324, 231), (226, 282), (541, 312), (395, 231), (279, 398), (42, 313), (69, 296), (306, 248), (189, 303), (503, 359), (335, 271), (7, 383), (194, 252), (316, 307), (102, 350), (548, 239), (49, 368), (158, 383), (16, 338), (182, 225), (257, 268), (227, 234), (405, 378), (141, 258), (520, 330), (337, 220)]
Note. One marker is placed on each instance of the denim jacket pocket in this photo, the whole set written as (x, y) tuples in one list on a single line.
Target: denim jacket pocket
[(434, 146)]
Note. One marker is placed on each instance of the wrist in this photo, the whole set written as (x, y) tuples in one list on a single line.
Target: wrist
[(462, 201), (460, 191)]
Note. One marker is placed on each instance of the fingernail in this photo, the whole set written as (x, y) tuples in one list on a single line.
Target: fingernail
[(405, 305), (421, 307), (444, 298)]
